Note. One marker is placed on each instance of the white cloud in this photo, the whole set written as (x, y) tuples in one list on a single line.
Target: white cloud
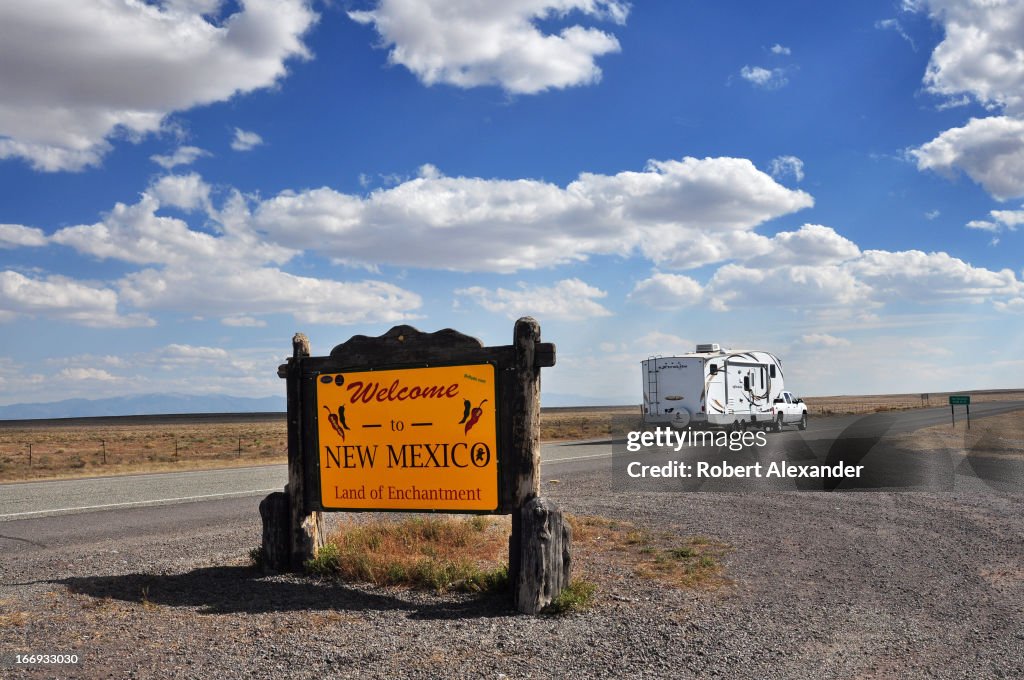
[(894, 25), (780, 49), (990, 150), (815, 268), (61, 298), (81, 374), (984, 225), (823, 340), (136, 233), (234, 288), (932, 214), (113, 69), (226, 273), (188, 192), (663, 343), (982, 53), (183, 155), (245, 140), (176, 353), (468, 43), (1011, 219), (569, 299), (924, 277), (677, 213), (767, 79), (793, 286), (1015, 305), (668, 291), (18, 236), (786, 166), (242, 321), (812, 244)]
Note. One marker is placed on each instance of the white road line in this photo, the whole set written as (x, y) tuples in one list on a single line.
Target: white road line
[(138, 503), (566, 460), (148, 475)]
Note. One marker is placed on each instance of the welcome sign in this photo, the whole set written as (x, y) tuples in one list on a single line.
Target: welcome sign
[(409, 439)]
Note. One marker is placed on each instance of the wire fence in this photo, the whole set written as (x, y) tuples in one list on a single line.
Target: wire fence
[(834, 407), (40, 452)]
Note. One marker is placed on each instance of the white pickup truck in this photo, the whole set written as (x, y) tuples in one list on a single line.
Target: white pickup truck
[(787, 409)]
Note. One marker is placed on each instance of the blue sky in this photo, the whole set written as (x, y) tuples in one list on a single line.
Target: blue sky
[(187, 183)]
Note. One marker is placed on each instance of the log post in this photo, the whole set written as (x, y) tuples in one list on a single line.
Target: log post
[(276, 532), (526, 411), (546, 555), (305, 527), (539, 547)]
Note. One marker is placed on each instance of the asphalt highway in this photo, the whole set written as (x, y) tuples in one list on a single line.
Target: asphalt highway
[(80, 510)]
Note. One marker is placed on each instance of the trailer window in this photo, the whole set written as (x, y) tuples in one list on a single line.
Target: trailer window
[(713, 369), (771, 370), (746, 382)]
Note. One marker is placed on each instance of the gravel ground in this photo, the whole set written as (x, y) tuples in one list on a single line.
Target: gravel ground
[(853, 585)]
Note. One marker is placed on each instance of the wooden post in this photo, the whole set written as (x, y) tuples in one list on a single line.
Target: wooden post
[(306, 527), (546, 559), (276, 532), (29, 456), (104, 443), (526, 411), (540, 544)]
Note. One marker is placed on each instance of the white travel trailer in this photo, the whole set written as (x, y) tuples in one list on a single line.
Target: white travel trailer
[(714, 387)]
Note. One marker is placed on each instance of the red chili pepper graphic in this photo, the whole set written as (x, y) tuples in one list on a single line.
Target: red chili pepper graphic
[(475, 416), (335, 423)]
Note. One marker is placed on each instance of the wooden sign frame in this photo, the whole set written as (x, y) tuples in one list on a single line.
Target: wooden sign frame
[(406, 347), (540, 543)]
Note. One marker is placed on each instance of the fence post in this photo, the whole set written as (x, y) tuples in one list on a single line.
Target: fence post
[(540, 544), (306, 527), (104, 443), (29, 456)]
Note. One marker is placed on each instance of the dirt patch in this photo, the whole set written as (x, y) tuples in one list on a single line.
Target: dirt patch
[(1000, 436), (879, 403)]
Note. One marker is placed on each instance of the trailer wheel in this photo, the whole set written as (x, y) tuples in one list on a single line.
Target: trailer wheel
[(777, 425), (803, 421)]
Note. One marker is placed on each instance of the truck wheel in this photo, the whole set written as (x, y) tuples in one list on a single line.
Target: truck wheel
[(803, 421), (777, 425)]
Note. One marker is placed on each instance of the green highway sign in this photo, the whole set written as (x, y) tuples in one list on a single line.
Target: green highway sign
[(959, 399)]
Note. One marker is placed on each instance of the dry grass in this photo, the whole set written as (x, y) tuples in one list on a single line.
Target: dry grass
[(687, 562), (453, 552), (877, 403), (78, 450), (999, 436), (583, 423), (435, 552)]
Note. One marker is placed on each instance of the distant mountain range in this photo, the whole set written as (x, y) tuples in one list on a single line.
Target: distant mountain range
[(156, 404), (552, 399), (143, 404)]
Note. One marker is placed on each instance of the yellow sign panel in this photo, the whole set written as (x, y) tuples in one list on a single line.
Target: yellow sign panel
[(409, 439)]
